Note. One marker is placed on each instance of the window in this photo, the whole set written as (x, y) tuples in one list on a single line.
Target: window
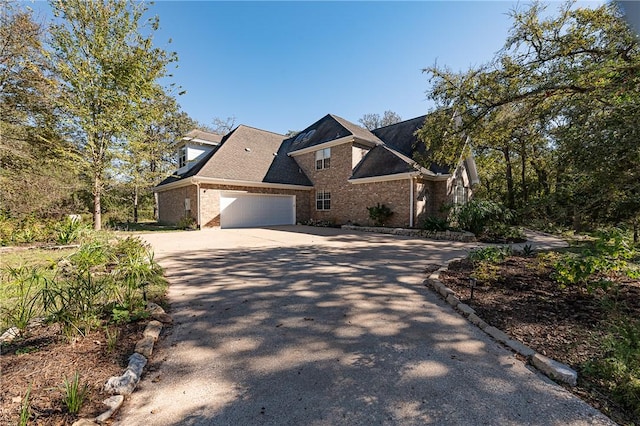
[(460, 193), (323, 158), (182, 157), (323, 201)]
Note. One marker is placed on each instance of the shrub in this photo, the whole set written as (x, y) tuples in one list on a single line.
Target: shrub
[(68, 230), (503, 234), (379, 214), (23, 285), (476, 215), (186, 222), (435, 224)]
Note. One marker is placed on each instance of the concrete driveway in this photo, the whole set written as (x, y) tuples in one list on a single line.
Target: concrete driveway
[(312, 326)]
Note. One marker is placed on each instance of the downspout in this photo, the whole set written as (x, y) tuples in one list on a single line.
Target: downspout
[(198, 201), (411, 202)]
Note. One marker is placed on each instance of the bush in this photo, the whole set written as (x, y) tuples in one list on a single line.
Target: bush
[(186, 222), (435, 224), (379, 214), (503, 234), (476, 215)]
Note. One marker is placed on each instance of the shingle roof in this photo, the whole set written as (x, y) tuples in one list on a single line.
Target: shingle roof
[(402, 137), (205, 136), (329, 128), (248, 154), (381, 161)]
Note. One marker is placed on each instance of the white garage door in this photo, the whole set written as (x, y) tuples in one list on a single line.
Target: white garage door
[(239, 210)]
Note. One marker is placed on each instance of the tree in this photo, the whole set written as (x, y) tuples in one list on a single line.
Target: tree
[(374, 121), (103, 54), (35, 172), (223, 126), (562, 96), (148, 155)]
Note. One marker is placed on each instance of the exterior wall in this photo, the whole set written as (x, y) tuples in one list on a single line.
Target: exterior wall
[(431, 196), (171, 204), (349, 201), (210, 199)]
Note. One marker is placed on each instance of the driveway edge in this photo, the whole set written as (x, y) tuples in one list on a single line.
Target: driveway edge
[(553, 369)]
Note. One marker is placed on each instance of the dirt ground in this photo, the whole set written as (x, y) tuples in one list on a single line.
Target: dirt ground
[(564, 324), (42, 360)]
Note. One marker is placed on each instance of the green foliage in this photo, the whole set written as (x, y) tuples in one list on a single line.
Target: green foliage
[(75, 393), (476, 215), (24, 302), (112, 338), (503, 233), (69, 230), (492, 254), (25, 408), (619, 369), (591, 268), (433, 223), (186, 222), (379, 214)]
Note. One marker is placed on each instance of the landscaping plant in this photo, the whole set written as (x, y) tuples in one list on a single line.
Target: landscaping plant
[(23, 288), (25, 408), (74, 393), (379, 214)]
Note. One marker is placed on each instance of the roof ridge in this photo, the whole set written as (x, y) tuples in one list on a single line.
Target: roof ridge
[(400, 122)]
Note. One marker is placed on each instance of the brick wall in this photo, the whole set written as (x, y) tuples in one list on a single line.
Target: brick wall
[(349, 201), (171, 204)]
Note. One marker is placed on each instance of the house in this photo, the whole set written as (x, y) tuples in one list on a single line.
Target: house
[(331, 171)]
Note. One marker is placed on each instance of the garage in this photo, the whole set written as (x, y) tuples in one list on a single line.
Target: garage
[(243, 210)]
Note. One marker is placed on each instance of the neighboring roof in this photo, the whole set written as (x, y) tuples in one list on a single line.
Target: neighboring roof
[(248, 154), (202, 137), (402, 137), (329, 128)]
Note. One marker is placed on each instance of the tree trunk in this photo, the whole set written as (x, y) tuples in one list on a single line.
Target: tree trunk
[(525, 189), (135, 204), (97, 209), (511, 199)]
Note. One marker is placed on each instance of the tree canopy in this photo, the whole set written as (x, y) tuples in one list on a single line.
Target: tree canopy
[(557, 107)]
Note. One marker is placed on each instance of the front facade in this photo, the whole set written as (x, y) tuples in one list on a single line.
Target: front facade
[(330, 172)]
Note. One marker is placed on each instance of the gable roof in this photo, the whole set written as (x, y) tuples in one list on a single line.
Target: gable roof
[(330, 128), (201, 136), (402, 138), (248, 154)]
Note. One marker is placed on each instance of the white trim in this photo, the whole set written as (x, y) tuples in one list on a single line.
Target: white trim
[(329, 144), (199, 209), (194, 180), (384, 178)]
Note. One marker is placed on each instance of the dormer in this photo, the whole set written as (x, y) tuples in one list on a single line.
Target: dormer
[(193, 146)]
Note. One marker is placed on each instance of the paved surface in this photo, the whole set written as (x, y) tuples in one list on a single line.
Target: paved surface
[(312, 326)]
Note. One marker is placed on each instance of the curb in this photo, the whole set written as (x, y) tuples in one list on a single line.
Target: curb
[(124, 385), (553, 369)]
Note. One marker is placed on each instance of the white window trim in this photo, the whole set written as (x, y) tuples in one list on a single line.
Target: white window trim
[(321, 197), (321, 156)]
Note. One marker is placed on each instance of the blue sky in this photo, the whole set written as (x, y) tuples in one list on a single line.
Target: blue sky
[(283, 65)]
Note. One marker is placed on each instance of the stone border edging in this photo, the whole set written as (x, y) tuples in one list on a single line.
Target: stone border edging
[(125, 384), (551, 368), (463, 236)]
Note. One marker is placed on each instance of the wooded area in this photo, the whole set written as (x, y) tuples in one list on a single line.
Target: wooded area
[(552, 120)]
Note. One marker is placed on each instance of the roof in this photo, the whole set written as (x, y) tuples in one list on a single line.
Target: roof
[(381, 161), (248, 154), (402, 137), (329, 128), (201, 135)]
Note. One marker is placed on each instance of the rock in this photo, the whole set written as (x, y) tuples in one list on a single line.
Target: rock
[(114, 403), (84, 422), (453, 300), (9, 335), (163, 318), (125, 384), (145, 346), (154, 308), (554, 369), (476, 320), (499, 335), (465, 309), (153, 330), (523, 350)]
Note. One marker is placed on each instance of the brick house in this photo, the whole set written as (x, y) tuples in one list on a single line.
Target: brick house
[(331, 171)]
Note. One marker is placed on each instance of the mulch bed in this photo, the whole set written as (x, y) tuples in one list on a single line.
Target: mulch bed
[(45, 357), (523, 300)]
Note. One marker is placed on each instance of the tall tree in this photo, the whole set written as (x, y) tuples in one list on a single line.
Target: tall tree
[(570, 82), (374, 121), (103, 53), (34, 173)]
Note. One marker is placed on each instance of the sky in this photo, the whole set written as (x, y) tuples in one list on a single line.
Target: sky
[(281, 66)]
